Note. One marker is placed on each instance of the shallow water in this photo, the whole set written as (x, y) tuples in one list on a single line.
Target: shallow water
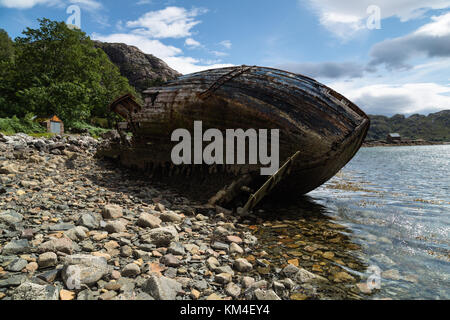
[(395, 203)]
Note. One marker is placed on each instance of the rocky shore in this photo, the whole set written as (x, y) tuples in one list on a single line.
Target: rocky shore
[(75, 227)]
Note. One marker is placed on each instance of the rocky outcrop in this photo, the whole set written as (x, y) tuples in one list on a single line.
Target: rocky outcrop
[(142, 70)]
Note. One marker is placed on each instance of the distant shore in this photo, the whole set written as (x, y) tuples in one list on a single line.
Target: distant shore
[(381, 143)]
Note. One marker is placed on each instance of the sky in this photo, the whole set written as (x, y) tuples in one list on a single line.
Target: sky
[(387, 56)]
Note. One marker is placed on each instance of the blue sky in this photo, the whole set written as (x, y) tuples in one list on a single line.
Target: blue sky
[(399, 63)]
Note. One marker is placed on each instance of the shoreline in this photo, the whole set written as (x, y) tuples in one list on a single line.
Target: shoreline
[(406, 143), (62, 211)]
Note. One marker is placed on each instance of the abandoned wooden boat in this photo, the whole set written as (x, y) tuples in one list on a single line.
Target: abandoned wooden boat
[(319, 131)]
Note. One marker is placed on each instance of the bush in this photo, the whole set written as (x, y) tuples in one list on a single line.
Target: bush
[(15, 125), (79, 127)]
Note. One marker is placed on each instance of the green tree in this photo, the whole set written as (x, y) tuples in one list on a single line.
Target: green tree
[(6, 47), (58, 70)]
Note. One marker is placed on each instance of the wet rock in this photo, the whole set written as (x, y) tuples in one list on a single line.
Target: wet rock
[(83, 269), (304, 276), (32, 291), (343, 277), (392, 274), (162, 288)]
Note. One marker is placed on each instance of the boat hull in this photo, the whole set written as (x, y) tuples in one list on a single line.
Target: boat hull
[(325, 127)]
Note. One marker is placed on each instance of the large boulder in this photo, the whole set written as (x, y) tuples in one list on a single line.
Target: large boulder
[(142, 70)]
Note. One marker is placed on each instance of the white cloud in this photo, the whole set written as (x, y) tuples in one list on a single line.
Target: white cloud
[(219, 53), (187, 65), (170, 54), (151, 46), (345, 18), (438, 28), (430, 40), (27, 4), (171, 22), (192, 43), (90, 5), (226, 44), (389, 99)]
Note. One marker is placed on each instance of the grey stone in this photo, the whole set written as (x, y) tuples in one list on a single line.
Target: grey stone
[(13, 281), (162, 288), (170, 216), (220, 246), (17, 265), (147, 220), (57, 245), (162, 236), (83, 269), (235, 248), (303, 276), (115, 227), (89, 221), (223, 278), (61, 227), (233, 290), (177, 248), (16, 247), (10, 217), (85, 295), (224, 269), (131, 270), (266, 295), (111, 211), (77, 233), (242, 265), (47, 259), (32, 291), (170, 260)]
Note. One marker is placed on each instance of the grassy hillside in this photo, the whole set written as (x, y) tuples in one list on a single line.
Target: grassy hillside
[(434, 127)]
